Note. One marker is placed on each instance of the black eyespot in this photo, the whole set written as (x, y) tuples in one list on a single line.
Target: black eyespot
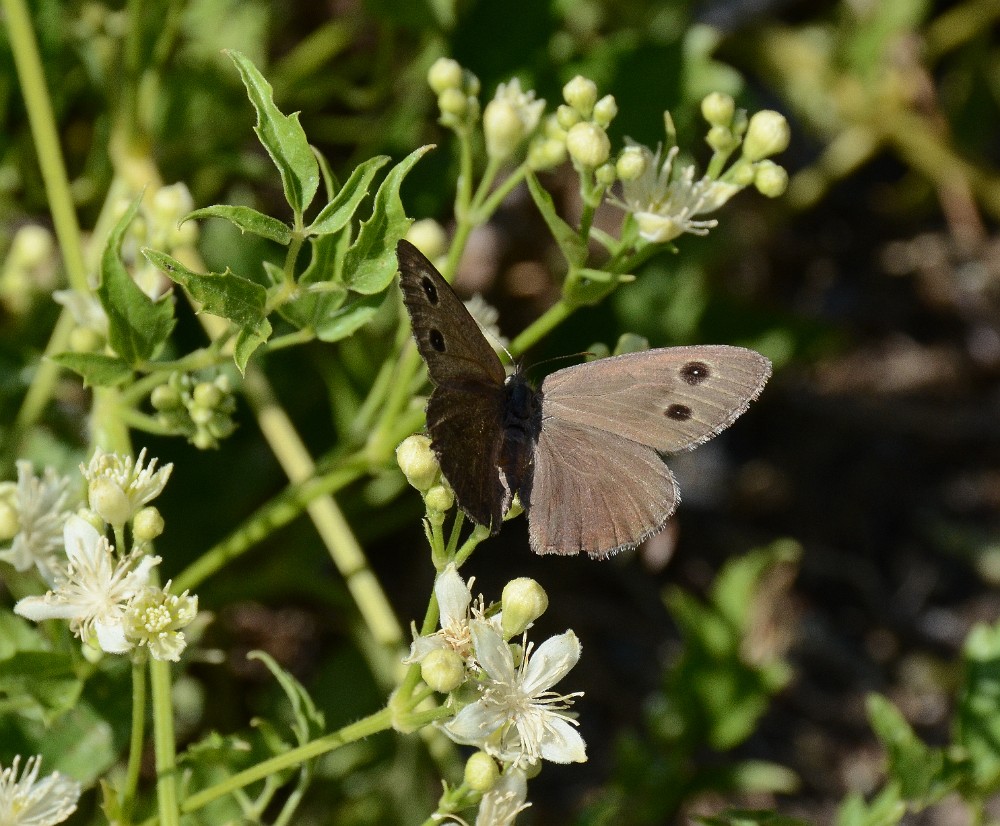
[(436, 340), (678, 412), (695, 372), (429, 289)]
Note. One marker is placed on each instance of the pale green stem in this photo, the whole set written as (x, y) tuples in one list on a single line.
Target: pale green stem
[(490, 204), (289, 340), (258, 526), (163, 743), (43, 129), (137, 738)]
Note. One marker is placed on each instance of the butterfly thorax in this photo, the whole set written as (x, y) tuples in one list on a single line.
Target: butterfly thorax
[(522, 421)]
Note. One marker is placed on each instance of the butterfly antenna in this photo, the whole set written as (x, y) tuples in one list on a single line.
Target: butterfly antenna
[(560, 358)]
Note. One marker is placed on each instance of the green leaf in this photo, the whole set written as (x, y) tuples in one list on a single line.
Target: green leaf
[(750, 817), (346, 320), (977, 726), (248, 220), (137, 325), (885, 810), (97, 369), (370, 263), (335, 215), (223, 294), (573, 248), (282, 136), (247, 341), (309, 721), (319, 294), (38, 685)]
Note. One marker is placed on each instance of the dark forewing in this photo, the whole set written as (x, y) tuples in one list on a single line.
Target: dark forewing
[(466, 433), (594, 491), (455, 349), (670, 399)]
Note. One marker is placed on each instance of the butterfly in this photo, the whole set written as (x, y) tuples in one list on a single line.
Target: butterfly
[(583, 452)]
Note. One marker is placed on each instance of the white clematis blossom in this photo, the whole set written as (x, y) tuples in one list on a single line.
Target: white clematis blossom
[(502, 804), (517, 718), (28, 801), (454, 600), (94, 591), (41, 508), (117, 487), (665, 206)]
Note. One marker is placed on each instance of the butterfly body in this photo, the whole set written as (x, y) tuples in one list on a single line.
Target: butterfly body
[(584, 451)]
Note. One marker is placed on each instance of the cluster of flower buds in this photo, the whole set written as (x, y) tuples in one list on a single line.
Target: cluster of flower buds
[(29, 269), (108, 596), (586, 119), (420, 466), (200, 409), (458, 94)]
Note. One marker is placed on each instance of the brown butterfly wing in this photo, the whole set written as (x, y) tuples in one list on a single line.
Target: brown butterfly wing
[(595, 491), (465, 413), (600, 484), (669, 399)]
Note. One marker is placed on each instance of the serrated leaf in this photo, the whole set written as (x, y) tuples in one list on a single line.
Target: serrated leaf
[(248, 340), (309, 720), (97, 369), (282, 136), (370, 263), (137, 325), (309, 308), (38, 685), (223, 294), (248, 220), (335, 215), (346, 320), (573, 248)]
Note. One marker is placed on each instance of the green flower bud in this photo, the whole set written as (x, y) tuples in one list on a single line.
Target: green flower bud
[(718, 109), (503, 128), (418, 462), (567, 117), (10, 521), (770, 179), (207, 394), (523, 601), (200, 415), (444, 74), (165, 397), (439, 498), (581, 94), (531, 770), (203, 440), (588, 145), (631, 163), (171, 203), (85, 340), (767, 134), (443, 670), (470, 84), (147, 524), (31, 246), (545, 153), (742, 173), (109, 501), (453, 102), (605, 110), (481, 772), (553, 129), (721, 139), (429, 237), (606, 174)]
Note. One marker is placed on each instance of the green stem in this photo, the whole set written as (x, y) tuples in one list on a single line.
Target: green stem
[(136, 738), (163, 743), (43, 130), (490, 204), (289, 340), (258, 526)]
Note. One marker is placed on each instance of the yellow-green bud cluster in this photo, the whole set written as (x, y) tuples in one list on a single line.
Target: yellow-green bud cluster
[(200, 409), (585, 119), (420, 466), (458, 93), (509, 118), (29, 269), (428, 236)]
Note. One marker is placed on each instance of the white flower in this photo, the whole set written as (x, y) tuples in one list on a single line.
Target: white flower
[(33, 802), (86, 310), (93, 592), (509, 118), (122, 487), (501, 805), (41, 509), (454, 600), (665, 208), (155, 617), (487, 316), (517, 718)]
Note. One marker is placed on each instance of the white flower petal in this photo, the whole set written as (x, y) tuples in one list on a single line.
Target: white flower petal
[(81, 540), (550, 662), (453, 596), (562, 743), (492, 653), (474, 723), (37, 609), (111, 637)]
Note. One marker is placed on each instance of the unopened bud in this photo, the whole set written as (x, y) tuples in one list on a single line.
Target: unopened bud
[(503, 128), (718, 109), (523, 601), (147, 524), (417, 461), (428, 236), (770, 179), (439, 498), (588, 145), (605, 110), (481, 772), (445, 73), (768, 134), (443, 670), (581, 94), (631, 163), (109, 501)]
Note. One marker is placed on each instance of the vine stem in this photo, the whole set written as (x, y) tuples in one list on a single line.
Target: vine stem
[(136, 739), (163, 744)]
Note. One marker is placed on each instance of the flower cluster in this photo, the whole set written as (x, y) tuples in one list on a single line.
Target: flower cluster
[(420, 466), (200, 409), (503, 691), (107, 597), (32, 802)]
